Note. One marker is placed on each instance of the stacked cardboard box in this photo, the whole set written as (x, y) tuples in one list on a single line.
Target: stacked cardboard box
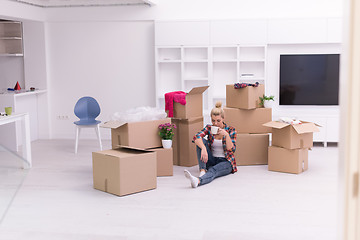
[(244, 113), (290, 144), (135, 160), (189, 120)]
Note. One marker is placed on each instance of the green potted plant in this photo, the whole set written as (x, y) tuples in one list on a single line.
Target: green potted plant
[(266, 101), (166, 132)]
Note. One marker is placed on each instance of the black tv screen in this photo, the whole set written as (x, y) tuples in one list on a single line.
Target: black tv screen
[(311, 79)]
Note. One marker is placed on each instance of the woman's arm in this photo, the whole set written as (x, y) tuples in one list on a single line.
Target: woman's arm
[(228, 140)]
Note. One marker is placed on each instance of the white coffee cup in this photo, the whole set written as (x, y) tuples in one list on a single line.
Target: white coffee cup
[(214, 129)]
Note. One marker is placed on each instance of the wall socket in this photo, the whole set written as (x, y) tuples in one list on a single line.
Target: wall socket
[(62, 117)]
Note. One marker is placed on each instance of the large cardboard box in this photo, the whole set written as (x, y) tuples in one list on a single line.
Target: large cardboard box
[(288, 160), (244, 98), (292, 136), (184, 148), (248, 121), (136, 134), (251, 149), (124, 171), (164, 157), (194, 104)]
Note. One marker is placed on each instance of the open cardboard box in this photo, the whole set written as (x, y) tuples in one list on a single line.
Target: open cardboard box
[(136, 134), (292, 136), (194, 104), (244, 98), (124, 171)]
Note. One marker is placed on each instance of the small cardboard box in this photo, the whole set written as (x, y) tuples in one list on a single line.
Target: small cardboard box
[(244, 98), (248, 121), (292, 136), (288, 160), (164, 158), (251, 149), (124, 171), (194, 104), (136, 134), (184, 148)]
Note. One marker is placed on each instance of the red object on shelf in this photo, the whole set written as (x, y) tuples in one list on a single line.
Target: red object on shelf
[(17, 86)]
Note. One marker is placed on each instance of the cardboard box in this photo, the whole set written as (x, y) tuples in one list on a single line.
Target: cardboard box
[(288, 160), (194, 104), (124, 171), (244, 98), (292, 136), (184, 148), (136, 134), (251, 149), (248, 121), (164, 157)]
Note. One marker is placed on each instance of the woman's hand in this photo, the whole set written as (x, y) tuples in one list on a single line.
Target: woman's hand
[(204, 155), (222, 132)]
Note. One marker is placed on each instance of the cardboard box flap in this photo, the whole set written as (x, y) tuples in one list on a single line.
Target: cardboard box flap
[(135, 149), (198, 90), (306, 127), (189, 120), (112, 124), (275, 124)]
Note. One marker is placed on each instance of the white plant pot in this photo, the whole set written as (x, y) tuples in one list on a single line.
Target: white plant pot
[(268, 103), (166, 143)]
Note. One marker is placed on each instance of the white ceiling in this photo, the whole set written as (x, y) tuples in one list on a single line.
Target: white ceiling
[(85, 3)]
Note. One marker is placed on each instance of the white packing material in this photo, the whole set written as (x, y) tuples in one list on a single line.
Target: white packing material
[(289, 120), (139, 114)]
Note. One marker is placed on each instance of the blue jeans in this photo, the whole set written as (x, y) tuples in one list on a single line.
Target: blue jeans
[(215, 166)]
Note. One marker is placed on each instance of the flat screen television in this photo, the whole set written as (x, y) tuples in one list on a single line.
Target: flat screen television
[(309, 79)]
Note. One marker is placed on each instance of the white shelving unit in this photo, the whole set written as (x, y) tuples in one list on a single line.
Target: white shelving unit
[(180, 68), (11, 38)]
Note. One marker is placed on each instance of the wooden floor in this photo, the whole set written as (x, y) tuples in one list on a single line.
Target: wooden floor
[(57, 201)]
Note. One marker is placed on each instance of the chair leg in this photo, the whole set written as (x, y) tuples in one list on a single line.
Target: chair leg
[(97, 130), (77, 138)]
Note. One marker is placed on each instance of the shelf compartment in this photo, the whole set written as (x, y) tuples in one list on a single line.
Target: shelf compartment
[(198, 70), (250, 53), (11, 46), (224, 54), (223, 74), (196, 53), (257, 69), (169, 54), (169, 78), (10, 29)]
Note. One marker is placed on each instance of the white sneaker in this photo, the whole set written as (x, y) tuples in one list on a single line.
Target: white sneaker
[(193, 180), (202, 173)]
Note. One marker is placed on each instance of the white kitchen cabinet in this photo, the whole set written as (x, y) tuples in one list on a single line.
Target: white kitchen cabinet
[(182, 33), (292, 31), (11, 38), (247, 31), (334, 30)]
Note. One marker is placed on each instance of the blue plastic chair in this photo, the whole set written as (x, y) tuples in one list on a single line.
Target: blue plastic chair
[(87, 109)]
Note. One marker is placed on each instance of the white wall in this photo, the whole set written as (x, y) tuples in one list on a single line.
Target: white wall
[(11, 71), (110, 61)]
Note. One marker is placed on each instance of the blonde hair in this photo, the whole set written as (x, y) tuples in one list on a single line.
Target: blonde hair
[(217, 110)]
